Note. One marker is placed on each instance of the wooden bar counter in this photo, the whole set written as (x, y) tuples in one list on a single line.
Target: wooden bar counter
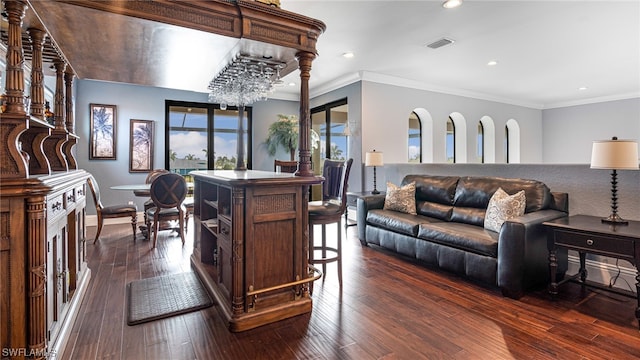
[(251, 244)]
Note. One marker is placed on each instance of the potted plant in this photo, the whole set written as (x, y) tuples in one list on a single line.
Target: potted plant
[(284, 133)]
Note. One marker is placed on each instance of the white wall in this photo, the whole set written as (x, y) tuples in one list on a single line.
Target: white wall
[(386, 109), (569, 132)]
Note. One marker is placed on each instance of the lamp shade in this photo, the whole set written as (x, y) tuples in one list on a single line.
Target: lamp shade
[(373, 158), (615, 154)]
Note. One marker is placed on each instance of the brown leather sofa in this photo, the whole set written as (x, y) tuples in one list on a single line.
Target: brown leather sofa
[(448, 231)]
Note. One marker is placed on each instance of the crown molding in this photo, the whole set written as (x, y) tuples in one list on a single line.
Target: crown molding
[(349, 79), (593, 100)]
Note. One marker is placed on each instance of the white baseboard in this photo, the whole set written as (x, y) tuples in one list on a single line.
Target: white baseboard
[(602, 273), (92, 220)]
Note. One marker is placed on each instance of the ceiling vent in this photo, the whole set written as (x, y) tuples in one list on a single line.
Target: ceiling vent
[(440, 43)]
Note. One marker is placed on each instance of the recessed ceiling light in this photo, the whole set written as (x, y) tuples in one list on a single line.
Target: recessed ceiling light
[(450, 4), (348, 55), (492, 63), (582, 88), (292, 84)]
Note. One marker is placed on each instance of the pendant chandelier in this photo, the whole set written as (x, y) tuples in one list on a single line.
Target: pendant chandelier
[(244, 81)]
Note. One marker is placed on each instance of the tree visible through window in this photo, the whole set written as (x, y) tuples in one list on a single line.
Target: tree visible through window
[(200, 136)]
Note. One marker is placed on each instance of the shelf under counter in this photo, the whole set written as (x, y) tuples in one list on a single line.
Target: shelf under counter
[(256, 265)]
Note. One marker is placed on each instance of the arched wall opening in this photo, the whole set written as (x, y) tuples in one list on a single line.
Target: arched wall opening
[(460, 134), (427, 134), (489, 136), (513, 142)]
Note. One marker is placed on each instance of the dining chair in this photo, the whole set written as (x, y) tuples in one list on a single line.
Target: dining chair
[(150, 176), (285, 166), (167, 193), (113, 211), (329, 210)]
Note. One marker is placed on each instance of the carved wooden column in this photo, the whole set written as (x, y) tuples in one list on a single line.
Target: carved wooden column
[(33, 138), (14, 119), (54, 143), (304, 63), (37, 37), (37, 258), (237, 246), (69, 119)]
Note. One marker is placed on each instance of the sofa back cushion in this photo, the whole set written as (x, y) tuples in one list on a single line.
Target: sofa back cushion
[(473, 194), (477, 191), (434, 194)]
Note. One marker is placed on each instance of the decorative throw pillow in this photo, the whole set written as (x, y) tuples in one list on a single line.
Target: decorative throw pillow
[(503, 207), (401, 199)]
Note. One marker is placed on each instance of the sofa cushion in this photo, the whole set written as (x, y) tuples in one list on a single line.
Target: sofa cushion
[(462, 236), (503, 207), (434, 210), (401, 198), (468, 215), (475, 192), (438, 189), (396, 221), (434, 194)]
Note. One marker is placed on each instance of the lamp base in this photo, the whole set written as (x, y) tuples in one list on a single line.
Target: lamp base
[(375, 192), (615, 219)]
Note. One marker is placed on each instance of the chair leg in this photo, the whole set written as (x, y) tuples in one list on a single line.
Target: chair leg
[(134, 223), (339, 248), (182, 227), (324, 247), (100, 220), (156, 228)]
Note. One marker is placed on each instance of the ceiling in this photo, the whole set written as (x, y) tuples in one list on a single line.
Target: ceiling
[(546, 50)]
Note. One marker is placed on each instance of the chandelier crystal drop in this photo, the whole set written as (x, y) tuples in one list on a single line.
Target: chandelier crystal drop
[(244, 81)]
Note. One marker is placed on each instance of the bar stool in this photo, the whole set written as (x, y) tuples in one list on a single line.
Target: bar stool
[(329, 211)]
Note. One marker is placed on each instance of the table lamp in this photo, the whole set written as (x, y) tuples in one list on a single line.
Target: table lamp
[(373, 158), (614, 155)]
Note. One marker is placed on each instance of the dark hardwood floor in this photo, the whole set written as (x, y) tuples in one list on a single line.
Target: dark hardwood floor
[(388, 308)]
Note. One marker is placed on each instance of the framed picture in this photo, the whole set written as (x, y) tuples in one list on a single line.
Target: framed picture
[(102, 144), (141, 146)]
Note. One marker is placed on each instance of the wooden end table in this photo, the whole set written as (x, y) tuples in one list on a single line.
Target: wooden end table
[(588, 234)]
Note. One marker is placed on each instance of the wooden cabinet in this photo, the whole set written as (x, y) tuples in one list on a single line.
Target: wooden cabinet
[(43, 270), (251, 244)]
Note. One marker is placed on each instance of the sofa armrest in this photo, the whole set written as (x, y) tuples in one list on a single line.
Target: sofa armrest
[(522, 252), (364, 204), (559, 201)]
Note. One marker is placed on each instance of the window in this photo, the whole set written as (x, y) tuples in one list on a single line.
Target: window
[(480, 145), (330, 122), (450, 141), (200, 136), (415, 138)]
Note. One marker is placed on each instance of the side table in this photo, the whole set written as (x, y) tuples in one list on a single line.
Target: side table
[(352, 202), (588, 234)]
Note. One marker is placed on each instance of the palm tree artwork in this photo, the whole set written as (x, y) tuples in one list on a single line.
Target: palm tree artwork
[(103, 129), (141, 145)]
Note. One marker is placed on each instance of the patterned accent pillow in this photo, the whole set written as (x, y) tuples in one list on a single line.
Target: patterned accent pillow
[(401, 199), (503, 207)]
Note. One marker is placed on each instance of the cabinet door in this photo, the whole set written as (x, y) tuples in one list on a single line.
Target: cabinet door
[(57, 284)]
